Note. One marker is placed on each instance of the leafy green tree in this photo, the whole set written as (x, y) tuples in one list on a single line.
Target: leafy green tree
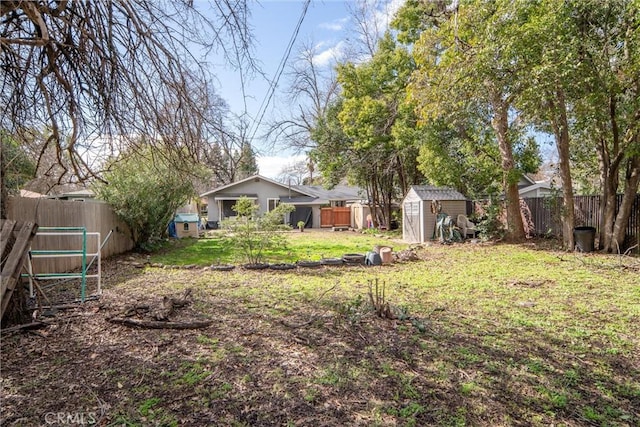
[(331, 152), (607, 114), (145, 190), (253, 234), (569, 69), (543, 41), (374, 122), (463, 157), (247, 163), (16, 168), (464, 70), (578, 82)]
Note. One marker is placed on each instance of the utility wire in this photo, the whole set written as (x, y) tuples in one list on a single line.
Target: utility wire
[(276, 78)]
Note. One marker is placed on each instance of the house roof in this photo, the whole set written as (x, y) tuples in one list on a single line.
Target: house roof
[(235, 196), (186, 217), (308, 194), (339, 192), (430, 192), (79, 194), (264, 178), (536, 186), (303, 200), (31, 194), (525, 181)]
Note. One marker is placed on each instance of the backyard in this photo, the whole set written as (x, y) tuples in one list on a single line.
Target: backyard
[(468, 335)]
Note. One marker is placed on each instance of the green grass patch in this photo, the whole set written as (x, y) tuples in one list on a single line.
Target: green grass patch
[(310, 245), (509, 335)]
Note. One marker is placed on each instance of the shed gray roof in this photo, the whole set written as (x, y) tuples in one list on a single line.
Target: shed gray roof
[(430, 192), (186, 217)]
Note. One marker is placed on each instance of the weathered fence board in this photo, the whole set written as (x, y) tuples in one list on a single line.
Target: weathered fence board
[(93, 215), (16, 238), (546, 214)]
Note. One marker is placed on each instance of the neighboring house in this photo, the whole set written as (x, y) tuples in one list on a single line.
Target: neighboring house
[(527, 187), (31, 194), (187, 225), (267, 194), (418, 222), (78, 196), (539, 189)]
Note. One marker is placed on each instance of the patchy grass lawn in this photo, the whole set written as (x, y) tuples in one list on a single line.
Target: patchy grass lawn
[(484, 336), (309, 245)]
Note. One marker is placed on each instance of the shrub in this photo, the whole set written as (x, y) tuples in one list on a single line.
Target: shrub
[(252, 234)]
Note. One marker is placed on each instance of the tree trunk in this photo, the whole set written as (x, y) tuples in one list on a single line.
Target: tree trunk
[(500, 124), (560, 126), (609, 158), (632, 180)]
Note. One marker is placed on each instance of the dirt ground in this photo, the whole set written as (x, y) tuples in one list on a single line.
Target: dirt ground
[(271, 359)]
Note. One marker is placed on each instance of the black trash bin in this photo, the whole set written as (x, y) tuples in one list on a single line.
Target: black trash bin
[(584, 238)]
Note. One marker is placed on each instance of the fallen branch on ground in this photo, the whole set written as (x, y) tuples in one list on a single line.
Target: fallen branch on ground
[(155, 324), (164, 311), (26, 326)]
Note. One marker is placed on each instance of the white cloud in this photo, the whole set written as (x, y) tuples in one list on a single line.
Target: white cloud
[(330, 55), (335, 25), (271, 166), (381, 14), (387, 14)]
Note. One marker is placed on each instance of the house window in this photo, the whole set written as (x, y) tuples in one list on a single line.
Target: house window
[(272, 204), (185, 226), (339, 203)]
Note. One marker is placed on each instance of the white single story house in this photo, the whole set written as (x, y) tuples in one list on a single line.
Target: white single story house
[(267, 194), (418, 222)]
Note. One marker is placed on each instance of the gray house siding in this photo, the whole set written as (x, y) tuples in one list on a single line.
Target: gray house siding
[(257, 188), (263, 190)]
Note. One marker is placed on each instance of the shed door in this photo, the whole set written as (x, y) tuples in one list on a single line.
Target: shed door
[(411, 221)]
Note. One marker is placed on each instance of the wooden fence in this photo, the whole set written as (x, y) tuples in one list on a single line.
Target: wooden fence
[(547, 219), (94, 216), (335, 217)]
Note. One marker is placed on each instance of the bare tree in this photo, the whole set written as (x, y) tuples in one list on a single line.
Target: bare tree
[(296, 173), (367, 25), (371, 18), (96, 75), (312, 88)]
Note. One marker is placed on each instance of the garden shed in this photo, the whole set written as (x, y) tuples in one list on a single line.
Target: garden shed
[(418, 222), (187, 225)]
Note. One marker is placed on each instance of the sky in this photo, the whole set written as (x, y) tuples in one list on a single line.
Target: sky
[(327, 25)]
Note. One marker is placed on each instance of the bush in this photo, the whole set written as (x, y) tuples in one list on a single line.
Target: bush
[(253, 234), (489, 223)]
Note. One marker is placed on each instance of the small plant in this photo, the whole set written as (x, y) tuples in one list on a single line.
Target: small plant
[(377, 300), (301, 225), (146, 407), (253, 234), (354, 309), (490, 225)]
